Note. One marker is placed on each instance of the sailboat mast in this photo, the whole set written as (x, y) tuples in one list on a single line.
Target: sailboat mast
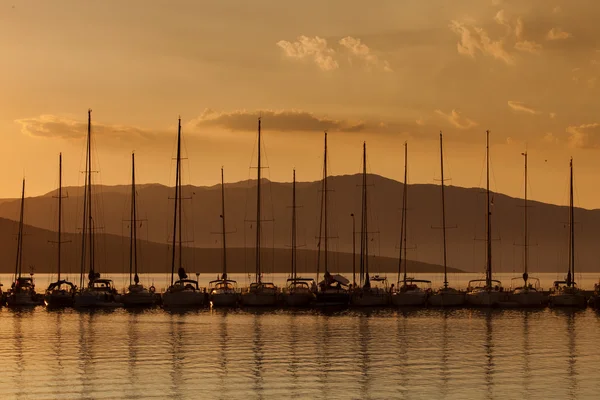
[(224, 276), (85, 202), (525, 233), (59, 211), (294, 269), (404, 210), (488, 271), (443, 210), (180, 215), (19, 261), (177, 164), (258, 216), (133, 232), (325, 204), (572, 229), (89, 203), (365, 218)]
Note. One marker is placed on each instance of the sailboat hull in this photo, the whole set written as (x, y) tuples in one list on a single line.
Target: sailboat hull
[(332, 299), (259, 299), (183, 299), (59, 299), (224, 299), (575, 300), (94, 299), (139, 299), (369, 299), (528, 299), (485, 298), (303, 299), (409, 299), (23, 299), (446, 299)]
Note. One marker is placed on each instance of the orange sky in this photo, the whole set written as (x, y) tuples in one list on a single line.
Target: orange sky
[(388, 72)]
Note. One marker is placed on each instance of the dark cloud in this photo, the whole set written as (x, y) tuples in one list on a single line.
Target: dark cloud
[(51, 126), (280, 121)]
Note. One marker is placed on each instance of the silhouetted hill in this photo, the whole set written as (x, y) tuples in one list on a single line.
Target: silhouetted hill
[(113, 256), (465, 208)]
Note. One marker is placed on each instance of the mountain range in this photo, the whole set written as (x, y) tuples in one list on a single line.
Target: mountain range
[(465, 210)]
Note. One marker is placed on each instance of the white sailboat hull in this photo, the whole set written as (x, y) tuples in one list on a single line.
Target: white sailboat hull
[(224, 299), (94, 299), (567, 300), (484, 298), (527, 298), (410, 299), (183, 299), (259, 299), (446, 299)]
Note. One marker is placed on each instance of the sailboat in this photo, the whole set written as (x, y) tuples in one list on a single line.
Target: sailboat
[(333, 289), (137, 295), (61, 292), (529, 293), (445, 296), (486, 292), (22, 292), (566, 293), (298, 292), (373, 291), (223, 292), (184, 292), (409, 291), (260, 293), (99, 292)]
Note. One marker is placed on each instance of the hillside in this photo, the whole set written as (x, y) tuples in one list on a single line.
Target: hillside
[(465, 209)]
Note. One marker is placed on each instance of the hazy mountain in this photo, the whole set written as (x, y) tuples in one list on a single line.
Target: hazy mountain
[(465, 210), (40, 255)]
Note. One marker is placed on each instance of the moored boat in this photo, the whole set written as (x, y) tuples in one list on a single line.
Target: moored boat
[(22, 291), (59, 294), (408, 291), (566, 293), (99, 292), (299, 292), (136, 295), (372, 291), (445, 296), (486, 292), (259, 293), (223, 292), (184, 292), (529, 293)]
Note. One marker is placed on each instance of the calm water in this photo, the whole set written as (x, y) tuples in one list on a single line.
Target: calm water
[(252, 355)]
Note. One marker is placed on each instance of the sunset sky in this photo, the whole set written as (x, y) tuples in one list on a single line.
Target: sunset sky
[(382, 72)]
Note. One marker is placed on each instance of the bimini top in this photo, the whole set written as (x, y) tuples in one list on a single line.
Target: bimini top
[(484, 280), (300, 280), (378, 278), (56, 284), (262, 284), (556, 283), (184, 281), (412, 280), (222, 281)]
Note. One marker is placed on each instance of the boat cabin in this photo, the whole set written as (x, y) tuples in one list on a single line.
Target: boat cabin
[(186, 284), (221, 285), (102, 285), (62, 285), (480, 284), (268, 286), (304, 284), (23, 284), (533, 284), (412, 284)]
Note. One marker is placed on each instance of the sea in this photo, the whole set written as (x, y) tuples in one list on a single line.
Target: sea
[(275, 354)]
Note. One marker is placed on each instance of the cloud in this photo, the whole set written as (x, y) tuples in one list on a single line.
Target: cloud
[(281, 121), (525, 45), (519, 106), (586, 136), (474, 39), (363, 52), (52, 126), (550, 138), (315, 48), (456, 119), (558, 34)]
